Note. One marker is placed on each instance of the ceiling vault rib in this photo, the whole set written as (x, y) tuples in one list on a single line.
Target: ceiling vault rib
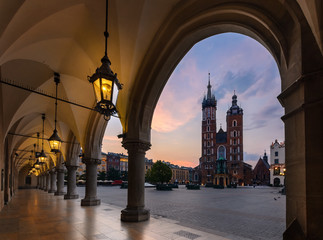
[(40, 92)]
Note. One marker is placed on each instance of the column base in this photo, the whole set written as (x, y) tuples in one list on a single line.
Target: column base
[(51, 191), (59, 193), (75, 196), (90, 202), (135, 215)]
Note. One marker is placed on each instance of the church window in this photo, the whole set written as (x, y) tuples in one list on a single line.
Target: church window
[(208, 128), (238, 140), (208, 136), (234, 157), (204, 136), (234, 142), (238, 149), (213, 114), (234, 123), (208, 121), (276, 161), (211, 135), (239, 133), (230, 141), (230, 149), (276, 154), (212, 151), (238, 157), (208, 143), (204, 151), (208, 112), (230, 158), (204, 144), (212, 143), (208, 151), (234, 133), (221, 152)]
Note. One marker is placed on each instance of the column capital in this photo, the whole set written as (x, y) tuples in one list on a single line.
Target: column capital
[(91, 161), (71, 167), (60, 170), (138, 145)]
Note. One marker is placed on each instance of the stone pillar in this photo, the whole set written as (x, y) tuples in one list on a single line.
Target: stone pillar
[(52, 181), (135, 210), (38, 182), (90, 198), (41, 186), (45, 182), (303, 102), (71, 183), (48, 181), (60, 182)]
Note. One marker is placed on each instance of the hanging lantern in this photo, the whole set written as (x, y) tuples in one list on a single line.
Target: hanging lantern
[(42, 157), (105, 83), (55, 141)]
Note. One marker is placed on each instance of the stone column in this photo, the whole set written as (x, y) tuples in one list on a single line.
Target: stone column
[(48, 181), (303, 102), (71, 183), (52, 181), (38, 182), (90, 198), (135, 210), (45, 182), (60, 182), (41, 186)]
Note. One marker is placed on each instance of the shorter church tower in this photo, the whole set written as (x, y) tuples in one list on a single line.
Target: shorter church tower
[(235, 141)]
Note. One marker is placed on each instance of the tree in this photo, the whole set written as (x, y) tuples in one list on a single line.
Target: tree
[(159, 173), (102, 176), (113, 174)]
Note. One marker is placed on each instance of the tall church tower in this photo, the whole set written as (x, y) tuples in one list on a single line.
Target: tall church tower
[(235, 141), (207, 161)]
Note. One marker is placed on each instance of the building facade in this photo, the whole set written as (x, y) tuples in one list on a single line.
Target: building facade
[(277, 163), (225, 147)]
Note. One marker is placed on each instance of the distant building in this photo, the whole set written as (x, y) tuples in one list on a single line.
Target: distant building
[(261, 173), (123, 163), (277, 163), (222, 149), (113, 161), (148, 164), (180, 175)]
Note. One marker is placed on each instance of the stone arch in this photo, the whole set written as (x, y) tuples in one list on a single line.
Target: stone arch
[(180, 34), (282, 28)]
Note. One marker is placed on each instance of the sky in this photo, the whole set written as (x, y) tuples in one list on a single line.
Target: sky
[(235, 63)]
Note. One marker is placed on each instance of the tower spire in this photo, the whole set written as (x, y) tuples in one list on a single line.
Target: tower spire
[(209, 95)]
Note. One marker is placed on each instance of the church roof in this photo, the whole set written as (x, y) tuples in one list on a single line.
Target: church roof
[(221, 136)]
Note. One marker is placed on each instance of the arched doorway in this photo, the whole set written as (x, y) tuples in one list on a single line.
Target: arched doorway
[(276, 182)]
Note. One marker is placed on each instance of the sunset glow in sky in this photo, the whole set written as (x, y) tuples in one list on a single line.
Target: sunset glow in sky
[(235, 62)]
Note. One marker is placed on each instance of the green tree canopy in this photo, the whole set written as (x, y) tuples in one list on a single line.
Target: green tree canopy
[(159, 173), (113, 174), (102, 176)]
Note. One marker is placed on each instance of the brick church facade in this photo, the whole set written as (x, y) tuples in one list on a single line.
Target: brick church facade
[(222, 162)]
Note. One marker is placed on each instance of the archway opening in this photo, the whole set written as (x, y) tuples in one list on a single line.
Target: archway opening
[(239, 66)]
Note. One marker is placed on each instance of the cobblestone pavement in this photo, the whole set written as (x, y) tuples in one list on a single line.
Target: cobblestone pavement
[(242, 213)]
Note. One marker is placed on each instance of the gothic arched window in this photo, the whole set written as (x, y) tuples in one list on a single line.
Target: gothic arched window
[(221, 152)]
